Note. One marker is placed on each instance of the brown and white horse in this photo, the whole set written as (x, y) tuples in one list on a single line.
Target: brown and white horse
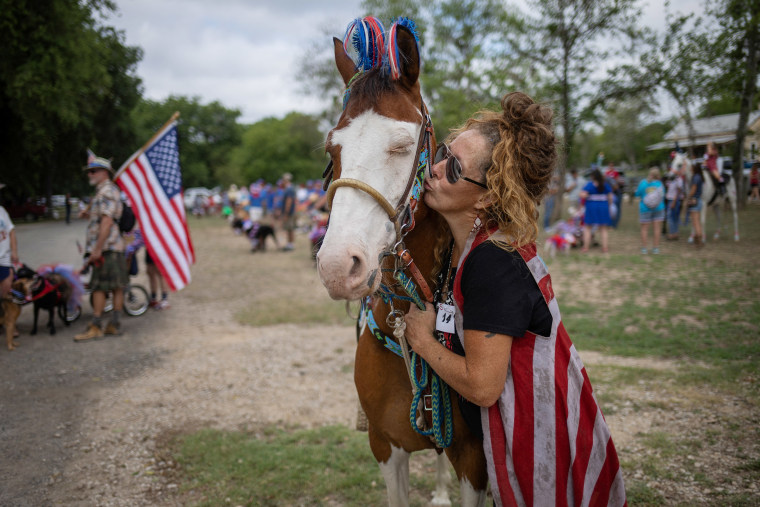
[(375, 148)]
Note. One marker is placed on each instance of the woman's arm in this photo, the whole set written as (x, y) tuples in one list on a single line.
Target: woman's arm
[(14, 247), (692, 191), (480, 375)]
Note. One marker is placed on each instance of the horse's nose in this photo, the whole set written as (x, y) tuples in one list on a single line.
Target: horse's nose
[(343, 271)]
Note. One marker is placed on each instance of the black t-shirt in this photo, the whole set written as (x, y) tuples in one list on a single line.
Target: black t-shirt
[(500, 294)]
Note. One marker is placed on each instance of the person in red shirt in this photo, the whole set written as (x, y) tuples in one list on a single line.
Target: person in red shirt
[(714, 165), (754, 182)]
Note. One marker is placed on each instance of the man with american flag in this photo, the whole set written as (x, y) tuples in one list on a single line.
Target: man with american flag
[(105, 248), (152, 180)]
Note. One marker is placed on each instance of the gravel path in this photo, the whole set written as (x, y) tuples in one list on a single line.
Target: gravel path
[(80, 421)]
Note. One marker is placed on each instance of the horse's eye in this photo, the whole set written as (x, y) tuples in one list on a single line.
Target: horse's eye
[(400, 149)]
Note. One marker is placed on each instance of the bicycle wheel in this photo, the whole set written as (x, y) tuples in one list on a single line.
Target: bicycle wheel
[(136, 300)]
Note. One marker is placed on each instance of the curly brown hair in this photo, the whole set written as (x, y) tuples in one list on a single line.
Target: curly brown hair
[(518, 167), (522, 158)]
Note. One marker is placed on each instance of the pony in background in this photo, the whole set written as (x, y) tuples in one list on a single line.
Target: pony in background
[(711, 197)]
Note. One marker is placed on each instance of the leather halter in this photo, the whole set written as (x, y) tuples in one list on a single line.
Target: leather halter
[(395, 213)]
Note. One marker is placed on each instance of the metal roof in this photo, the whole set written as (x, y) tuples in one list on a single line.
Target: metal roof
[(720, 129)]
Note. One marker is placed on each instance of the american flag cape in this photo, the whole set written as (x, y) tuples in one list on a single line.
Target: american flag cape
[(546, 441), (152, 180)]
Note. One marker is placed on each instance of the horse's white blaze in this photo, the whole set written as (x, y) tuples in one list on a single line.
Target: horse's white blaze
[(396, 474), (470, 495), (380, 152)]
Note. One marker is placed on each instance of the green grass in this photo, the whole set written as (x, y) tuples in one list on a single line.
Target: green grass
[(700, 314), (294, 311), (326, 466)]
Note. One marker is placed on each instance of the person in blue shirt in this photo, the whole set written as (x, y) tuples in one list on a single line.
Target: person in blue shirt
[(597, 196), (651, 191), (694, 204), (286, 210)]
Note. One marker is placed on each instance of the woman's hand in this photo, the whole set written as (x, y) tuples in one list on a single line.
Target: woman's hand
[(419, 327)]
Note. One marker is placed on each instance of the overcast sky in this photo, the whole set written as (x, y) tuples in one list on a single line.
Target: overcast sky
[(244, 53)]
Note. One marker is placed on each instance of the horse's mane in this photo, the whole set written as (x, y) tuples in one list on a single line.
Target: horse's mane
[(372, 84)]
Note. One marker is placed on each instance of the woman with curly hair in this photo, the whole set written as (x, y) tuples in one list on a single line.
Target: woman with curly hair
[(545, 439)]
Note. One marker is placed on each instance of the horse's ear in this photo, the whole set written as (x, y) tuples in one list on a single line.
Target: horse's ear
[(346, 65), (408, 56)]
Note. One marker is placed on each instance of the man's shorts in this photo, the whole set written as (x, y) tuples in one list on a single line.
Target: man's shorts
[(112, 274), (290, 223), (646, 217)]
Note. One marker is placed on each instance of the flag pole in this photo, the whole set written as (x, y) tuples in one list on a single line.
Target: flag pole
[(145, 146)]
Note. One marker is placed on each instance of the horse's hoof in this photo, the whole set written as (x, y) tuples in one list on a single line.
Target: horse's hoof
[(33, 332), (736, 237), (52, 332)]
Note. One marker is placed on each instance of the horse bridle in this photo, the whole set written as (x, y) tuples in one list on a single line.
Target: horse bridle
[(401, 215)]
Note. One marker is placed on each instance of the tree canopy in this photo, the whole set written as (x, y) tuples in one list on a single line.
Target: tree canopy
[(274, 146), (207, 135), (65, 84)]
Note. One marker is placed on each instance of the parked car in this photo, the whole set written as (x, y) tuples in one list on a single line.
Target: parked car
[(29, 210), (193, 192)]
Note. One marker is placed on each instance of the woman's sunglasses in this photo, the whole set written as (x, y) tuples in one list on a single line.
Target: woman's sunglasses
[(453, 167)]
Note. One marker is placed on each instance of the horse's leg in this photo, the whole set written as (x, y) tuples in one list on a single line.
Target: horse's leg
[(718, 212), (703, 221), (394, 465), (732, 200), (466, 454), (442, 481)]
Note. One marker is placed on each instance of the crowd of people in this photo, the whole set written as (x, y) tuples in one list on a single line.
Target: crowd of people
[(666, 202), (259, 210)]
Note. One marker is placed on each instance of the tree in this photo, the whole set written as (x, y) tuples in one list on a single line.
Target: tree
[(460, 45), (207, 135), (564, 40), (60, 75), (274, 146), (736, 48)]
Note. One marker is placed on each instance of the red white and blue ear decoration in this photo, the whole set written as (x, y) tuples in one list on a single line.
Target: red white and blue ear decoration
[(394, 59), (364, 42)]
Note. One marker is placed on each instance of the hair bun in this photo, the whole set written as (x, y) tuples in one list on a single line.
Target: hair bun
[(520, 110)]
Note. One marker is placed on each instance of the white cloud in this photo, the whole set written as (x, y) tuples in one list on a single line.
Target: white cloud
[(243, 54)]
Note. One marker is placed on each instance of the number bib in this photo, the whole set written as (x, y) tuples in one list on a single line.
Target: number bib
[(444, 321)]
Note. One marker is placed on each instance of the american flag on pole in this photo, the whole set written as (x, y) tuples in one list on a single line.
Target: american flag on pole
[(152, 180)]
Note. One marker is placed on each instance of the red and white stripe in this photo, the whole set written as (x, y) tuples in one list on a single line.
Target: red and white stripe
[(546, 440), (162, 221)]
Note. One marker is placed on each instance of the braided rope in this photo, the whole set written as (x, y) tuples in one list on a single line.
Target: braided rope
[(443, 421)]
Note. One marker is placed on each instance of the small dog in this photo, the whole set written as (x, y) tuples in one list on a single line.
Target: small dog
[(50, 292), (258, 235), (256, 232), (10, 314)]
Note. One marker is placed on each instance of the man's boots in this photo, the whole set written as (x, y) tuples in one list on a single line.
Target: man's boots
[(93, 333)]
